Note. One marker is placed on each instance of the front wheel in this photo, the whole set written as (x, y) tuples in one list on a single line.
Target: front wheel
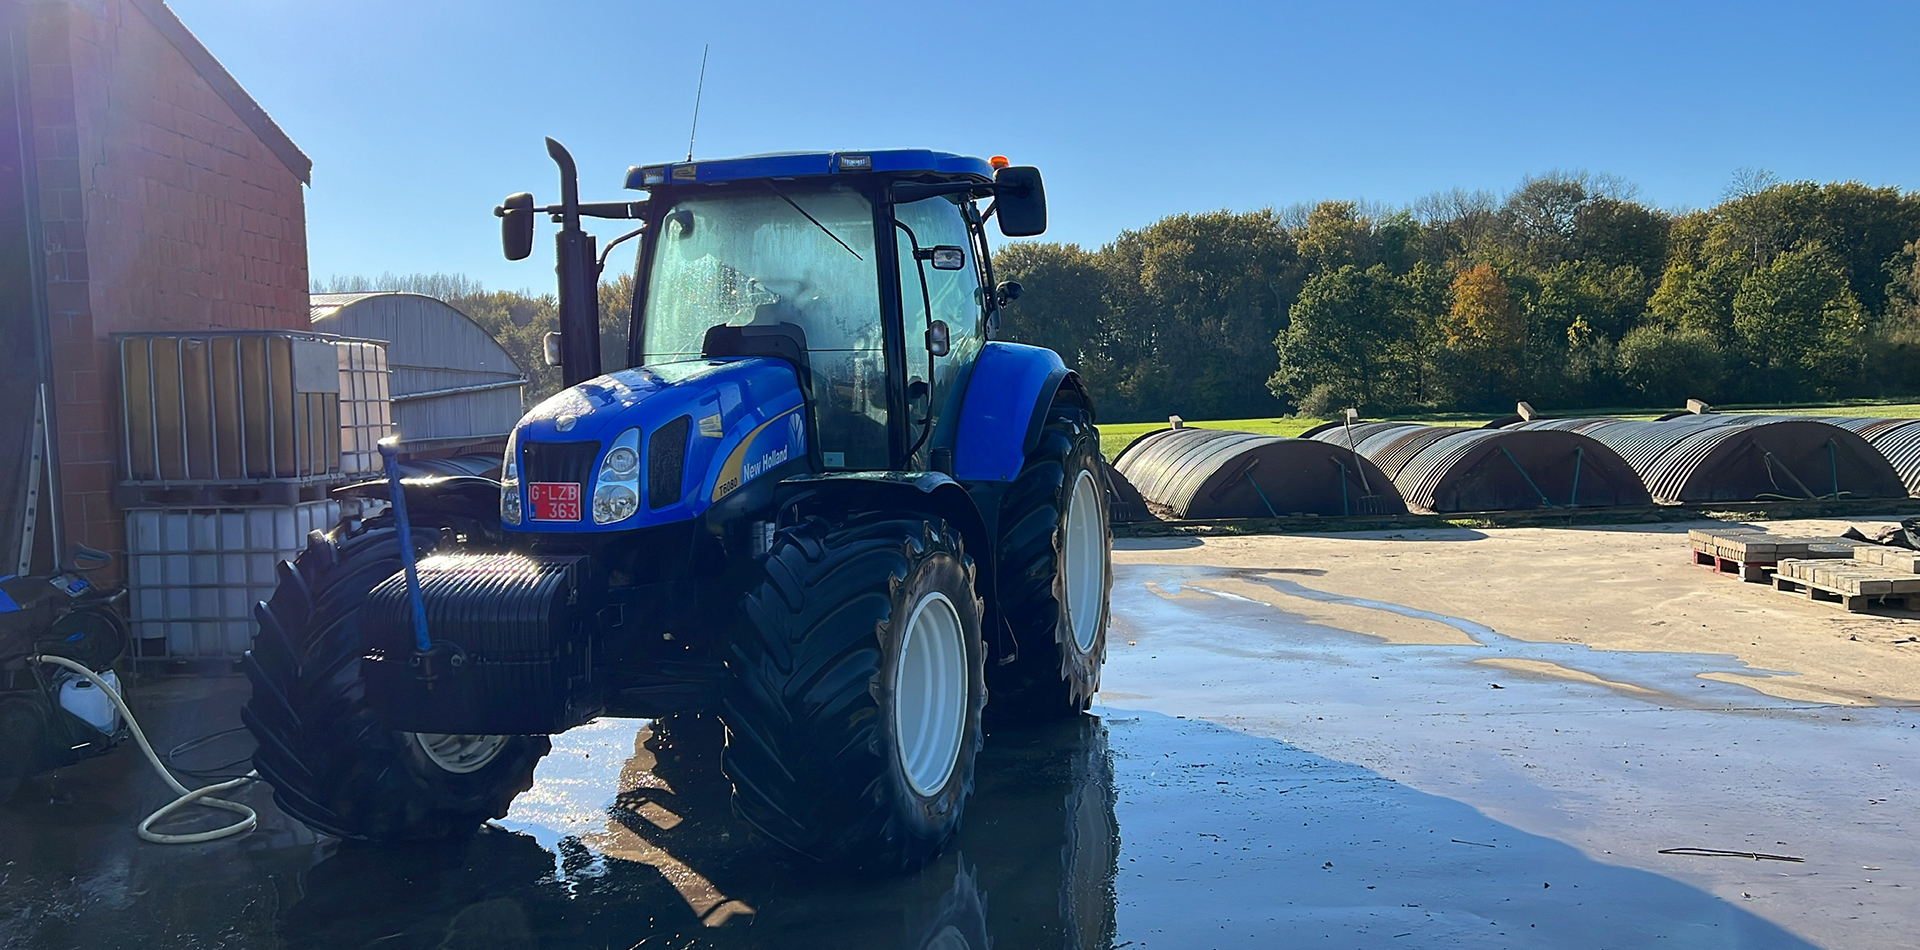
[(332, 762), (855, 690), (1055, 573)]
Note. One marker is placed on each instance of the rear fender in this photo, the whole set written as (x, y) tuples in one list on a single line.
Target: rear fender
[(1008, 394)]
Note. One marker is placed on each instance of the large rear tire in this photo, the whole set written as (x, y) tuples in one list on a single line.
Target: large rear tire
[(853, 704), (332, 762), (1055, 572)]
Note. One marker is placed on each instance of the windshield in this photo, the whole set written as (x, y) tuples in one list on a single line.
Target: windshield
[(764, 256), (805, 258)]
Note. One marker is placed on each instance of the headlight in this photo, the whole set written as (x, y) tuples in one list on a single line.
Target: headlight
[(622, 461), (616, 493), (510, 482), (614, 503)]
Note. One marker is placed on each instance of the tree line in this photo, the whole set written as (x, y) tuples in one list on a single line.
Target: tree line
[(1568, 292)]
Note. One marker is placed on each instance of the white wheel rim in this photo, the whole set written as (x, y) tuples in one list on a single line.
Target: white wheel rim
[(1085, 560), (930, 694), (460, 754)]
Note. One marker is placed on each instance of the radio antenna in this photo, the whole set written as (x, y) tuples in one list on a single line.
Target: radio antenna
[(696, 100)]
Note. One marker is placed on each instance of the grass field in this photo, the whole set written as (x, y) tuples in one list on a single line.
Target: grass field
[(1115, 436)]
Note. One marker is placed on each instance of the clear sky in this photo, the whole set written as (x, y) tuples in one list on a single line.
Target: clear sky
[(421, 114)]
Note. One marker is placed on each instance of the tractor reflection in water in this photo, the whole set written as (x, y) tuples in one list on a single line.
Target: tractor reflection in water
[(669, 864)]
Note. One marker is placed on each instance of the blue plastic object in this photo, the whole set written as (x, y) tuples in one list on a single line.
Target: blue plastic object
[(1012, 384), (747, 416), (810, 165), (389, 453)]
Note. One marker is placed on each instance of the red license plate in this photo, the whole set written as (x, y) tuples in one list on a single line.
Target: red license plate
[(554, 501)]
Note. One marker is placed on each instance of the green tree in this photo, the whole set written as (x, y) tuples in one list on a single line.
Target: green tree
[(1348, 343), (1336, 235), (1665, 365), (1196, 293), (1063, 306), (1798, 319)]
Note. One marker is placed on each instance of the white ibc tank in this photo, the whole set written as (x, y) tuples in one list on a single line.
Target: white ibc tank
[(197, 572)]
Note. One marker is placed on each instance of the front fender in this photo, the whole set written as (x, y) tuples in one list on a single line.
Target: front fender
[(466, 496)]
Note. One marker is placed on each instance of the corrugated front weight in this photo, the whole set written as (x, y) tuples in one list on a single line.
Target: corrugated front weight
[(512, 657)]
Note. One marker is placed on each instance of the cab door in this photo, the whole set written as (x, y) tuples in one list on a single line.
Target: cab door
[(954, 299)]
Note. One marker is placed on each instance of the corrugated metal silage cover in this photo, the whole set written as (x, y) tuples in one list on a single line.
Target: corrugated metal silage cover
[(1347, 436), (452, 383), (1392, 449), (1215, 473), (1897, 440), (1901, 446), (1442, 469), (1717, 457)]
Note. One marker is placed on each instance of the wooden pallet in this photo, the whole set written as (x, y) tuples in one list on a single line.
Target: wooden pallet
[(1854, 585), (1752, 553)]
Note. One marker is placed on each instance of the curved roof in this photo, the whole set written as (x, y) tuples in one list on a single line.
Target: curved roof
[(451, 381), (1441, 469), (1714, 457), (1218, 473)]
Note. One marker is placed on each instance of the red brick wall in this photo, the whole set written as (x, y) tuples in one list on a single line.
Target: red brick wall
[(161, 210)]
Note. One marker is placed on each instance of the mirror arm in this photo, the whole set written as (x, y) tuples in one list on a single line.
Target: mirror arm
[(617, 210), (601, 267)]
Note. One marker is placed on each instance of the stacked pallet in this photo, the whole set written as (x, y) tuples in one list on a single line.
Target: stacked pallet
[(1874, 576), (1752, 553)]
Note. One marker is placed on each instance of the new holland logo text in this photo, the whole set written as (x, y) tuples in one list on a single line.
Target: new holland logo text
[(768, 460)]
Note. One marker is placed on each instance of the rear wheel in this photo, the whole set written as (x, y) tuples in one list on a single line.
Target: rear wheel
[(332, 762), (1055, 573), (853, 704)]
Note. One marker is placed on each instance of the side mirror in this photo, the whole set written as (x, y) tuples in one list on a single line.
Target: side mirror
[(939, 338), (1020, 201), (1007, 292), (516, 226), (551, 344)]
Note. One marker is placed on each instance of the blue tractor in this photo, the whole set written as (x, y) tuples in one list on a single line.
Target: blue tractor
[(823, 504)]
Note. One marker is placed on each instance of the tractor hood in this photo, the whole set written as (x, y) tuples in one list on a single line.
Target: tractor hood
[(701, 430)]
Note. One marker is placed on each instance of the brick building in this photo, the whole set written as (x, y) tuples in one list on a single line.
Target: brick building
[(143, 190)]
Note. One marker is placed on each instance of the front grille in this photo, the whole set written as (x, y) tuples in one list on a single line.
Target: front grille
[(667, 462), (558, 461)]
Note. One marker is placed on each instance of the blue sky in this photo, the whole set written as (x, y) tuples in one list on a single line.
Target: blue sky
[(421, 114)]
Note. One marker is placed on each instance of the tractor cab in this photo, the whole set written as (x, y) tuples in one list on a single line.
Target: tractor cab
[(869, 269)]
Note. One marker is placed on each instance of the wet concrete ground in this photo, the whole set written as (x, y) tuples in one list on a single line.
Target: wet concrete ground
[(1251, 780)]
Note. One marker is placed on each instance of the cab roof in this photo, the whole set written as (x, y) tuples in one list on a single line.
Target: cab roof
[(905, 162)]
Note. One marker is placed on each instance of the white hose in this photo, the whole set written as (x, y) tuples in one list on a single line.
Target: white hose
[(188, 796)]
